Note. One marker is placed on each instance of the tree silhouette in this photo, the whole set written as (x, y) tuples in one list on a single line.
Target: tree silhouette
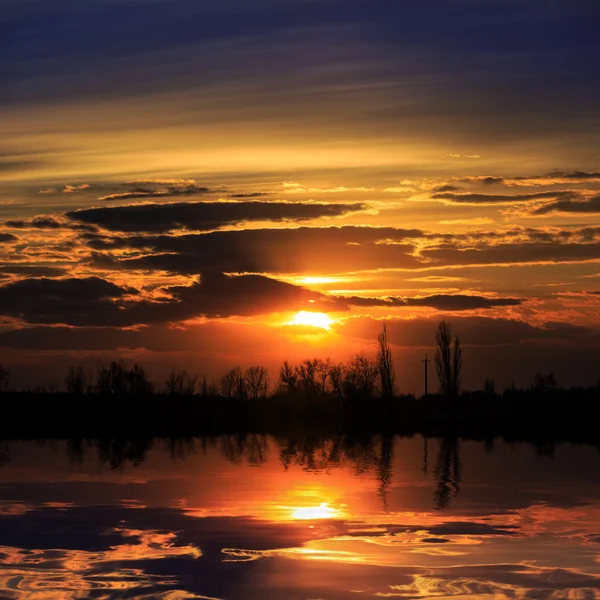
[(181, 383), (361, 377), (544, 382), (448, 360), (4, 374), (257, 382), (111, 379), (288, 379), (138, 382), (230, 382), (489, 387), (385, 364), (77, 381)]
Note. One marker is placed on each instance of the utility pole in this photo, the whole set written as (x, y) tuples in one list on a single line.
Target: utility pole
[(425, 362)]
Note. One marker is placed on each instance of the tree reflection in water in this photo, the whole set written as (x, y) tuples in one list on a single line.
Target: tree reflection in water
[(363, 454)]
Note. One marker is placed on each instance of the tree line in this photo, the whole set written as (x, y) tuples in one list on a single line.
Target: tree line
[(361, 377)]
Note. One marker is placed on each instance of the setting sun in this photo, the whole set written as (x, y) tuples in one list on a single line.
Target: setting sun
[(315, 319)]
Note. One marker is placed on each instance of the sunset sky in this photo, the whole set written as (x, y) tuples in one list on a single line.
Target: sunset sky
[(179, 179)]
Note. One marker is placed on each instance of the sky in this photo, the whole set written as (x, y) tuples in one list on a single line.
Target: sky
[(180, 179)]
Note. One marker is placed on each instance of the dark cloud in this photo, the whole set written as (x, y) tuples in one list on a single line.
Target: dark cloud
[(158, 218), (329, 250), (7, 237), (573, 175), (591, 205), (501, 199), (447, 302), (67, 301), (507, 253), (473, 331), (446, 188), (36, 223), (95, 302), (33, 270), (298, 250), (139, 192), (485, 180), (250, 195), (47, 223)]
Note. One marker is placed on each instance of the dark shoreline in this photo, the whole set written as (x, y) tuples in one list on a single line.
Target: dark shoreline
[(559, 416)]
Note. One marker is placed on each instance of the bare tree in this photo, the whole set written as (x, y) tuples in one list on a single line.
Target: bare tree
[(448, 360), (138, 382), (77, 381), (111, 379), (181, 383), (336, 378), (323, 374), (385, 364), (361, 377), (230, 382), (307, 373), (288, 379), (4, 375), (257, 382)]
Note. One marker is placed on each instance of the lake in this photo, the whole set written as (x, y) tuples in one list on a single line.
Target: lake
[(254, 517)]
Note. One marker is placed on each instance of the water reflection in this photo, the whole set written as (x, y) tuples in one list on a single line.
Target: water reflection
[(447, 472), (250, 516)]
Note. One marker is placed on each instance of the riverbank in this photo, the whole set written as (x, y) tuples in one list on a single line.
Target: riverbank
[(555, 416)]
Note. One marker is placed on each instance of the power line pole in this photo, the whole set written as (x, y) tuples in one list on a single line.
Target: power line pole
[(426, 361)]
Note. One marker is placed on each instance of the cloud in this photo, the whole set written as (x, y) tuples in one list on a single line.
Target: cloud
[(7, 237), (175, 181), (44, 222), (444, 302), (149, 193), (517, 253), (400, 189), (311, 250), (29, 270), (446, 188), (483, 179), (454, 155), (96, 302), (68, 189), (469, 198), (35, 223), (330, 250), (250, 195), (67, 301), (555, 178), (473, 221), (589, 206), (473, 331), (158, 218), (292, 187)]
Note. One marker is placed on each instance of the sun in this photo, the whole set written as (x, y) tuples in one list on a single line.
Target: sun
[(315, 319)]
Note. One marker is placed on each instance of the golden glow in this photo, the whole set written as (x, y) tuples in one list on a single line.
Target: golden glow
[(314, 319), (319, 280), (323, 511)]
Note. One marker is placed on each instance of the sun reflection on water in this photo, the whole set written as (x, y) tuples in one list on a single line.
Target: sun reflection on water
[(323, 511)]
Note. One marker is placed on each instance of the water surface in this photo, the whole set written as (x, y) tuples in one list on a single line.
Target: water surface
[(252, 517)]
